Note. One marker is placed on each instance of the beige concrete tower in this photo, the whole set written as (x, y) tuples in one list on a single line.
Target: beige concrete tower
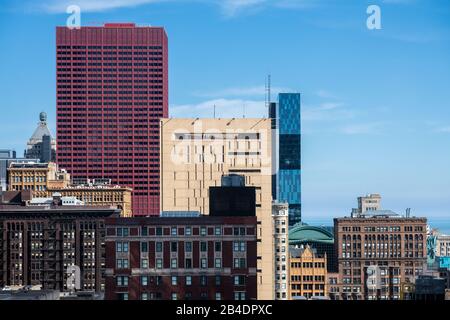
[(196, 153)]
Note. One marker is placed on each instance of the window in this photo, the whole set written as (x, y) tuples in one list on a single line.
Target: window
[(218, 246), (203, 263), (144, 280), (144, 263), (173, 246), (188, 246), (174, 296), (122, 232), (239, 246), (203, 231), (122, 247), (188, 231), (203, 247), (174, 280), (122, 263), (203, 281), (159, 247), (218, 263), (188, 280), (173, 231), (123, 296), (159, 231), (239, 295), (174, 263), (144, 246), (158, 263), (144, 296), (217, 231), (188, 263), (144, 231), (122, 281), (239, 280), (239, 263), (218, 296), (218, 280)]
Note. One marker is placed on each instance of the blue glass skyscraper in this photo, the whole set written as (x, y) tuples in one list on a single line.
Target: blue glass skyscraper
[(287, 148)]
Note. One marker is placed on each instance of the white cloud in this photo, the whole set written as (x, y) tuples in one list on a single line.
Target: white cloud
[(60, 6), (363, 128), (229, 8), (443, 129), (327, 111), (243, 91), (225, 108)]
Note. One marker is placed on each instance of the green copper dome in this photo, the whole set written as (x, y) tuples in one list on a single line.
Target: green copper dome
[(302, 233)]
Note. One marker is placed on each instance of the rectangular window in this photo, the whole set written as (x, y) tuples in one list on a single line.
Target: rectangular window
[(218, 296), (204, 263), (173, 231), (203, 246), (188, 280), (159, 231), (144, 296), (188, 263), (218, 280), (188, 231), (218, 246), (218, 263), (144, 263), (144, 280), (174, 246), (174, 280), (188, 246), (203, 231), (144, 246), (158, 263), (159, 247), (144, 231), (174, 263), (217, 231), (203, 281)]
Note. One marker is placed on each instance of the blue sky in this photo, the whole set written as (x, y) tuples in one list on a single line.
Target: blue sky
[(376, 110)]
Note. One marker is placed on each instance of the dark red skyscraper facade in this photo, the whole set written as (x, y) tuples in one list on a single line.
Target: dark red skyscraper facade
[(112, 87)]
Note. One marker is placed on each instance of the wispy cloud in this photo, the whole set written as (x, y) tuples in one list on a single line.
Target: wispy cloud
[(443, 129), (327, 111), (229, 8), (60, 6), (225, 108), (363, 128), (252, 91)]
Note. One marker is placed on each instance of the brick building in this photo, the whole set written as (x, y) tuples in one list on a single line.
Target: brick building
[(184, 258), (38, 243), (382, 246)]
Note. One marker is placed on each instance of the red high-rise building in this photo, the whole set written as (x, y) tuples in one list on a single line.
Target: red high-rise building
[(112, 87)]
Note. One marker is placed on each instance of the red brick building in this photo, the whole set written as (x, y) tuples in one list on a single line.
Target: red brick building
[(112, 87), (204, 257)]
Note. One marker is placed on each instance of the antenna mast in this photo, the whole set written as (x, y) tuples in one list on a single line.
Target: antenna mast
[(268, 89)]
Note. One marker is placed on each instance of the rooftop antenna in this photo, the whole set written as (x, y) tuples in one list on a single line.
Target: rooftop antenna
[(268, 88), (214, 111), (243, 110)]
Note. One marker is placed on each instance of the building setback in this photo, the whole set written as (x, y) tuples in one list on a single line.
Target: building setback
[(197, 153), (112, 88), (37, 244), (185, 258)]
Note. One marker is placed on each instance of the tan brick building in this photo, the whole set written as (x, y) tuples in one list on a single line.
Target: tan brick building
[(45, 179), (196, 153), (308, 273), (103, 195), (37, 177)]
